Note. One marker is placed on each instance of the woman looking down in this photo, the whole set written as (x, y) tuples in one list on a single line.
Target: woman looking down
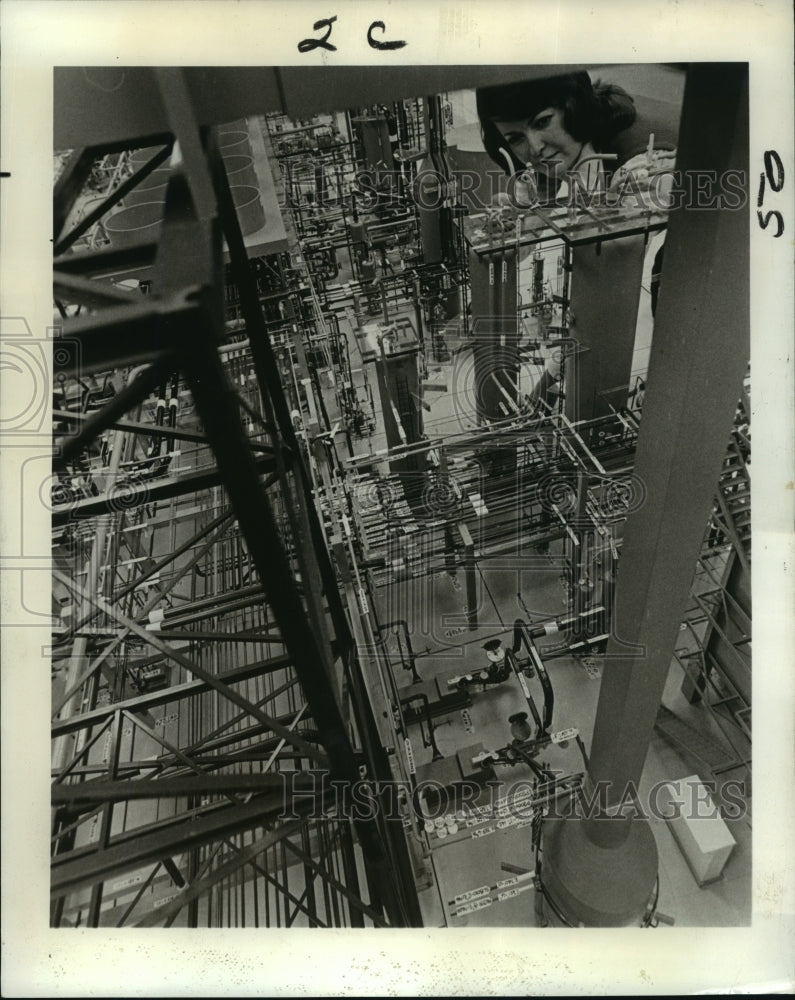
[(565, 128)]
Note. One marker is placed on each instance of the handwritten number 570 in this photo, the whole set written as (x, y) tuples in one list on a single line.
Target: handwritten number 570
[(774, 176)]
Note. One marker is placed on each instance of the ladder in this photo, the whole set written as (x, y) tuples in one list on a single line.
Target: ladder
[(707, 750)]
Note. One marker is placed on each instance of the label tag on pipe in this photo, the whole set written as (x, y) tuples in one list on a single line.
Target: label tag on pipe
[(563, 735), (510, 893), (466, 897), (472, 907)]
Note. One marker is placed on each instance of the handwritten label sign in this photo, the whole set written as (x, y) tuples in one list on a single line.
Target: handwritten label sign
[(326, 23), (773, 175)]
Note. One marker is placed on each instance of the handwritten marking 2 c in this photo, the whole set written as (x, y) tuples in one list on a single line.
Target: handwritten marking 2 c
[(310, 44), (384, 46)]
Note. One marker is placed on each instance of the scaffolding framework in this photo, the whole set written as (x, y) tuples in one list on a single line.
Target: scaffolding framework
[(164, 797)]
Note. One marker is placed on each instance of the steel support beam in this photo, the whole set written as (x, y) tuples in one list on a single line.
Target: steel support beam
[(69, 446), (114, 260), (212, 679), (85, 793), (256, 519), (77, 290), (145, 702), (147, 430), (120, 192), (140, 332), (136, 848), (182, 322), (601, 870), (151, 491)]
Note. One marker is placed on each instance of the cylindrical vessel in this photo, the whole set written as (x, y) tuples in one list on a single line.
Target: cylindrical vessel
[(87, 207), (146, 194), (236, 126), (250, 213), (357, 232), (81, 210), (130, 224), (480, 178), (156, 180), (140, 156), (240, 171), (234, 144)]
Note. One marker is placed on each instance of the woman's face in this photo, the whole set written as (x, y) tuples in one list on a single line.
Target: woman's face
[(542, 141)]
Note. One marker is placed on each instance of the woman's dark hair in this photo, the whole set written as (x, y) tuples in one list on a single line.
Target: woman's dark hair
[(592, 112)]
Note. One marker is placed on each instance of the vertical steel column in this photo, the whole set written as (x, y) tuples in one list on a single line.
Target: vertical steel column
[(495, 333), (429, 197), (351, 875), (470, 573), (63, 746), (95, 904), (601, 871), (217, 409), (449, 550), (307, 523), (309, 878), (605, 292), (580, 584)]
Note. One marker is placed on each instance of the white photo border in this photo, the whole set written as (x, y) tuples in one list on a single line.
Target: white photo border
[(38, 961)]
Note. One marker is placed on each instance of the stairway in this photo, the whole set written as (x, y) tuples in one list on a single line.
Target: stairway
[(707, 750), (733, 514)]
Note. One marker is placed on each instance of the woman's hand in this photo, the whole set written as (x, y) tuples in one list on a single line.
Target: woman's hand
[(509, 205), (643, 179), (523, 190)]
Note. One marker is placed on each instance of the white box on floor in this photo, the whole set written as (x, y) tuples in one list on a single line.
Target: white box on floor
[(697, 826)]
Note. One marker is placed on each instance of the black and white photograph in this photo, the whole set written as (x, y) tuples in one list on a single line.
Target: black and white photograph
[(384, 386)]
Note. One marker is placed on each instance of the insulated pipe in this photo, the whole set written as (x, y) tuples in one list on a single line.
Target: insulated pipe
[(407, 636), (173, 409), (522, 634), (160, 417), (531, 704)]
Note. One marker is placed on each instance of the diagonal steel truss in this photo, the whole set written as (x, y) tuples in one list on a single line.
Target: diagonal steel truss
[(214, 586)]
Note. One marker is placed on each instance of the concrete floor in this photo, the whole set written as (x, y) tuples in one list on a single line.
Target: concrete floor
[(461, 863)]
